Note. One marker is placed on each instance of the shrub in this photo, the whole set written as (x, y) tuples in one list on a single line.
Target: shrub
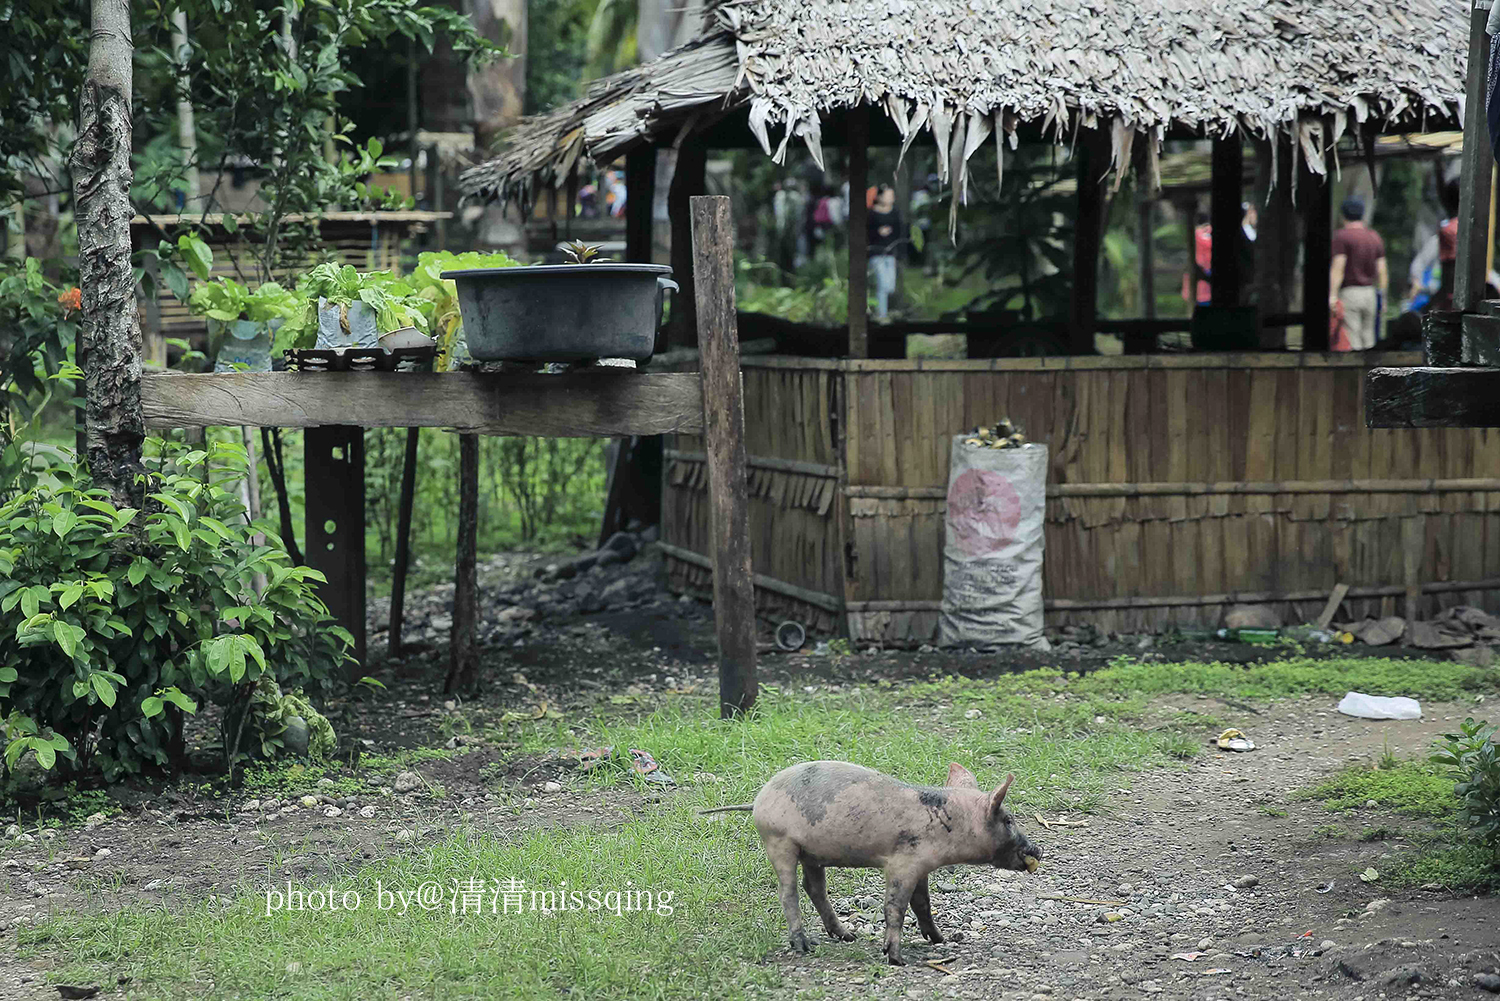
[(1472, 758), (115, 623)]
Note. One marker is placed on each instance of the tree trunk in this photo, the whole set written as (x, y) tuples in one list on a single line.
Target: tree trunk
[(111, 329), (463, 667)]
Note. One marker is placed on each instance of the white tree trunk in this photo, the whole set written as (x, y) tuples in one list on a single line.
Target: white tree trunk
[(111, 329)]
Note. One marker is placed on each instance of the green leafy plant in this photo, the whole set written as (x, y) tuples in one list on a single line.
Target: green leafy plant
[(395, 302), (116, 623), (1472, 758), (583, 253), (226, 300), (38, 322)]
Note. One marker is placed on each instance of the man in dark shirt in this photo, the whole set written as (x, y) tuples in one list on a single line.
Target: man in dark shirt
[(1359, 276), (884, 232)]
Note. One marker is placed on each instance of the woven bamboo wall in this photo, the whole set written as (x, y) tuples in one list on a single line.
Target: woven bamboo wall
[(1178, 485)]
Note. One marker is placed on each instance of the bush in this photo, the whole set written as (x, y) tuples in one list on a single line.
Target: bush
[(115, 623), (1472, 758)]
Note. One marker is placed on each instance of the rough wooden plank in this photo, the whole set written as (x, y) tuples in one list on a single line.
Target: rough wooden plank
[(403, 542), (599, 403), (463, 648), (334, 471), (1432, 398), (724, 441), (1476, 176)]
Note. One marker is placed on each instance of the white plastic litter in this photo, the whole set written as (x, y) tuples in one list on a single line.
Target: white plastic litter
[(1380, 706)]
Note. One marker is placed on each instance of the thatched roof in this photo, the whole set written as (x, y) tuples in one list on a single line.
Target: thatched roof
[(968, 71)]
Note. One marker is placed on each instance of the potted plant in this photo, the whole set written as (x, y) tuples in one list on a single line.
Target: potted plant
[(583, 310), (242, 321), (351, 309)]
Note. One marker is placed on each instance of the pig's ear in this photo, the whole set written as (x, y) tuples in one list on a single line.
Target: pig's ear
[(998, 799), (960, 777)]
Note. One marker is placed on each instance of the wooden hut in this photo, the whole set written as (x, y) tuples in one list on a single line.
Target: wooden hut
[(1179, 484)]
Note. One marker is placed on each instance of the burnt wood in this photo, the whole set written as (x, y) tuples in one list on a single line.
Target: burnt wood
[(1432, 398), (334, 478)]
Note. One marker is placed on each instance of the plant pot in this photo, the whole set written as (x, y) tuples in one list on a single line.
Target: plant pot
[(351, 326), (248, 344), (562, 312)]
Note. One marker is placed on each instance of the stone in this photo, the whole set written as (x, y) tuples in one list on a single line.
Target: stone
[(1487, 982), (619, 592), (1476, 656), (608, 558), (1251, 617), (333, 811), (13, 831), (367, 812), (1327, 944), (1403, 976), (516, 614), (1246, 882), (650, 534), (296, 737), (408, 782), (309, 801), (552, 787), (623, 543)]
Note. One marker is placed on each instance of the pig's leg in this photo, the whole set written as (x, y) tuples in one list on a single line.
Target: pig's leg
[(899, 886), (815, 882), (921, 906), (783, 856)]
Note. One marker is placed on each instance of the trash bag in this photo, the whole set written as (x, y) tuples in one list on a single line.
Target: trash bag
[(992, 556), (1380, 707)]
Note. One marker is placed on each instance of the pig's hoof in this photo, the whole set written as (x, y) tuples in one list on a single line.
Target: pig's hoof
[(799, 943), (842, 934), (895, 959), (935, 937)]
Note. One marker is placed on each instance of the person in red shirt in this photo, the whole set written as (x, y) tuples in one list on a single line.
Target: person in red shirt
[(1203, 259), (1359, 276)]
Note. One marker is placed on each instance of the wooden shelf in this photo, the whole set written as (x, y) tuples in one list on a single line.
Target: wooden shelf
[(599, 403), (1432, 398)]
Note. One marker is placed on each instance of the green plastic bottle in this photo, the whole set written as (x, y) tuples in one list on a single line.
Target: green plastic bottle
[(1249, 635)]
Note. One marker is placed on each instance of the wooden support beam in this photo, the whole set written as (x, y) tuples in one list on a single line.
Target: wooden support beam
[(1432, 398), (689, 179), (1228, 194), (463, 649), (598, 403), (724, 439), (403, 542), (640, 198), (1088, 234), (1317, 199), (1475, 181), (859, 238), (334, 485)]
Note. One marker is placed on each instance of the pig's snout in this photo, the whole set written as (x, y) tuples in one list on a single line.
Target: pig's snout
[(1015, 855)]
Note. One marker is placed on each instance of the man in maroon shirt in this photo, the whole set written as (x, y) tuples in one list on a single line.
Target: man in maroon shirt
[(1359, 275)]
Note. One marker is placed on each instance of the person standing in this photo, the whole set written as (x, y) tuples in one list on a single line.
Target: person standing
[(884, 232), (1359, 276)]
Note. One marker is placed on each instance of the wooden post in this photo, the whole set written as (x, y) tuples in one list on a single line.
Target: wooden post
[(403, 541), (1147, 280), (688, 179), (1317, 193), (1225, 217), (334, 483), (640, 198), (463, 663), (1276, 237), (859, 236), (1413, 542), (724, 441), (1088, 232), (109, 327), (1478, 168)]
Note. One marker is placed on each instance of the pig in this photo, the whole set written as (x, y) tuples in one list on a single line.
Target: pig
[(832, 813)]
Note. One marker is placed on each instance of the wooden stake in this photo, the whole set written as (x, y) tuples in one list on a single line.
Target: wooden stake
[(1318, 192), (403, 541), (1093, 162), (1334, 601), (463, 664), (1225, 218), (724, 440), (1413, 542), (334, 483), (859, 236)]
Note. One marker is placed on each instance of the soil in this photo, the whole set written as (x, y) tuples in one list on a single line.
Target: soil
[(1171, 857)]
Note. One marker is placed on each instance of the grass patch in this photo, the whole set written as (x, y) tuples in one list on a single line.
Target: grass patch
[(1426, 679), (1413, 789), (1461, 867), (712, 943)]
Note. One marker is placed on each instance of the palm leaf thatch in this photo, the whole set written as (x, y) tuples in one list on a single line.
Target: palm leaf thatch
[(967, 71)]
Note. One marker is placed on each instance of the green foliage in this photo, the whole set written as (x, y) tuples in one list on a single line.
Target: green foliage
[(108, 617), (37, 331), (428, 281), (611, 39), (1472, 759), (1412, 789), (819, 298), (44, 49), (226, 300), (1463, 867), (271, 712), (556, 47), (1426, 679)]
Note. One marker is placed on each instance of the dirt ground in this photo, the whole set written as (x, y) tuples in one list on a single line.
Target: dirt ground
[(1187, 863)]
